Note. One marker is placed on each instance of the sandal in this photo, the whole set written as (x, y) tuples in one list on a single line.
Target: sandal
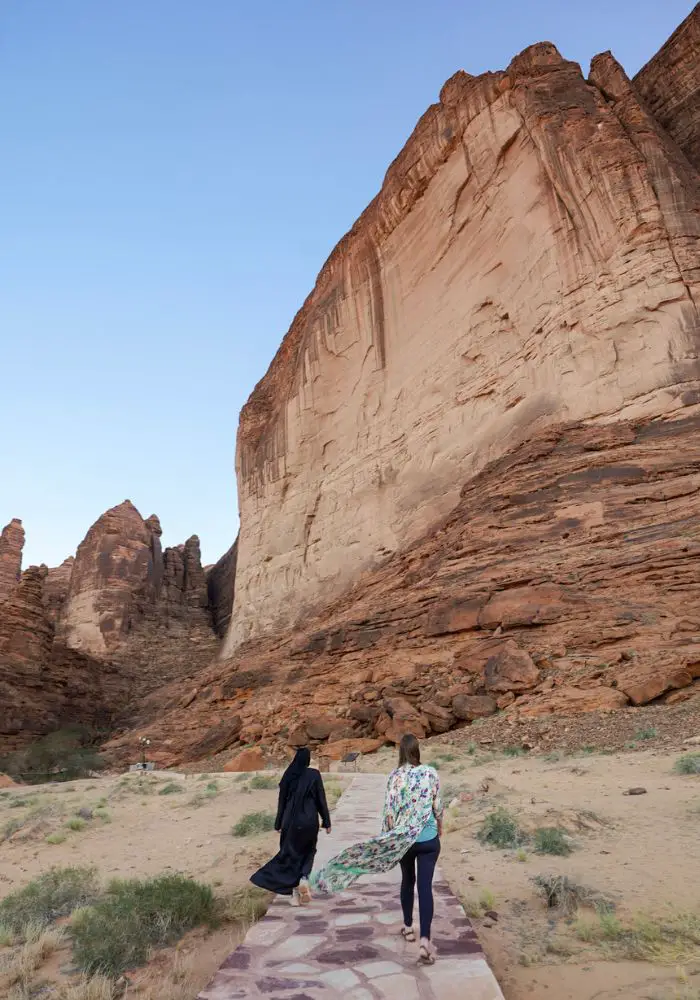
[(408, 934), (426, 955), (304, 892)]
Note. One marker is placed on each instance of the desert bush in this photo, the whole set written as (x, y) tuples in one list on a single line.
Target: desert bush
[(253, 823), (61, 756), (103, 815), (54, 894), (263, 781), (18, 969), (563, 894), (475, 907), (689, 763), (56, 838), (645, 733), (500, 829), (551, 840), (512, 751), (89, 988), (244, 906), (645, 938), (76, 824), (172, 788), (117, 931)]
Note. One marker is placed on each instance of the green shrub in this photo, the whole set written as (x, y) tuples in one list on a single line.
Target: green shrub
[(56, 838), (172, 788), (263, 781), (252, 823), (76, 824), (54, 894), (648, 733), (513, 751), (61, 756), (500, 829), (689, 763), (103, 815), (551, 840), (117, 931)]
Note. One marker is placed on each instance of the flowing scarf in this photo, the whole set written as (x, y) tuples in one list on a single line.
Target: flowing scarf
[(412, 796)]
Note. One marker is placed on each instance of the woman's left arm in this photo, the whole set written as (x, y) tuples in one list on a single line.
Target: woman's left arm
[(438, 807), (322, 804)]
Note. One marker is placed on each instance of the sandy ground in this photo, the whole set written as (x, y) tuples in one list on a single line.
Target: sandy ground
[(642, 852), (143, 833)]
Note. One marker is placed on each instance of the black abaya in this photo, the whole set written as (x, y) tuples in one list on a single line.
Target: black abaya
[(301, 802)]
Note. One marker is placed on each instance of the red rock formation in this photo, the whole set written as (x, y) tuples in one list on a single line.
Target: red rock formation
[(670, 86), (121, 578), (11, 545), (577, 557), (530, 260), (221, 583), (44, 686), (56, 587)]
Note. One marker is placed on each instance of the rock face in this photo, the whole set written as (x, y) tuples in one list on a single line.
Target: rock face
[(670, 86), (56, 587), (221, 585), (43, 685), (82, 642), (531, 260), (11, 545), (121, 575)]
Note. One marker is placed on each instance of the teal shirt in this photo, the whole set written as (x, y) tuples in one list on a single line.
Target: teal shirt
[(429, 831)]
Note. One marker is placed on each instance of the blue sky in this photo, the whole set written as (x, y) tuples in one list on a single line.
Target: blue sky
[(172, 176)]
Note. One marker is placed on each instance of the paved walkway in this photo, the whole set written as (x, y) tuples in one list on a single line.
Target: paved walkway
[(349, 945)]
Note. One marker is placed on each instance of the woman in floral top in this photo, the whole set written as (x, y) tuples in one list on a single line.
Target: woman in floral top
[(411, 828)]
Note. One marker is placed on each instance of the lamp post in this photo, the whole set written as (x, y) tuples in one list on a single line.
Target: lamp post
[(144, 744)]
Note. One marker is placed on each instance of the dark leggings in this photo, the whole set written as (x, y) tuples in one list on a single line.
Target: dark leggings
[(423, 856)]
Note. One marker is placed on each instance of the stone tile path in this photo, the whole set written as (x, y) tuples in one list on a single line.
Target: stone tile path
[(349, 945)]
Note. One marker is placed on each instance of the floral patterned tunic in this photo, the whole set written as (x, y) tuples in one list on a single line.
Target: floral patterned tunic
[(412, 795)]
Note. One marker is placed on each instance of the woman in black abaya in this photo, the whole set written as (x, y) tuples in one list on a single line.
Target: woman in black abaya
[(302, 799)]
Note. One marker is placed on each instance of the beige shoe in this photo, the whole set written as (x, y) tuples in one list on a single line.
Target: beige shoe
[(296, 900), (304, 891)]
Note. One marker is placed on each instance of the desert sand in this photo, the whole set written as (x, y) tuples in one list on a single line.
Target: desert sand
[(639, 852)]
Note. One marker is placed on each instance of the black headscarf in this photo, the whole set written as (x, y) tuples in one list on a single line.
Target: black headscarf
[(290, 778)]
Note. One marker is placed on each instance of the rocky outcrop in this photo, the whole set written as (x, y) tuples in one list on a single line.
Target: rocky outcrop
[(118, 571), (584, 543), (82, 642), (670, 86), (121, 578), (531, 260), (43, 685), (11, 545), (221, 585), (56, 587)]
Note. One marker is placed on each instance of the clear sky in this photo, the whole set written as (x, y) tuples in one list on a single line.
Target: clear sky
[(173, 174)]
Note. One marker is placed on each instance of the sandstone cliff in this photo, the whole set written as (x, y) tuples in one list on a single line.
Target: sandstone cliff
[(670, 86), (121, 576), (85, 641), (566, 579), (530, 260), (43, 685), (11, 545), (221, 585)]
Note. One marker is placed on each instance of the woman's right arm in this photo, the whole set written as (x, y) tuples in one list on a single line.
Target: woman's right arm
[(281, 803)]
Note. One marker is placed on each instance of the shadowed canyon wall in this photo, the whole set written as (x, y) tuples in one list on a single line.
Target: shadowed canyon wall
[(531, 259)]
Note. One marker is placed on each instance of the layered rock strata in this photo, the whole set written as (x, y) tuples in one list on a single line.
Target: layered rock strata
[(121, 577), (531, 259), (221, 586), (670, 86), (11, 545), (566, 579)]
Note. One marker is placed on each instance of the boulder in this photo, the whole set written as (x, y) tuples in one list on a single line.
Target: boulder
[(511, 669), (320, 727), (339, 749), (363, 713), (473, 706), (571, 700), (298, 737), (250, 759), (440, 719), (644, 681), (6, 781)]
